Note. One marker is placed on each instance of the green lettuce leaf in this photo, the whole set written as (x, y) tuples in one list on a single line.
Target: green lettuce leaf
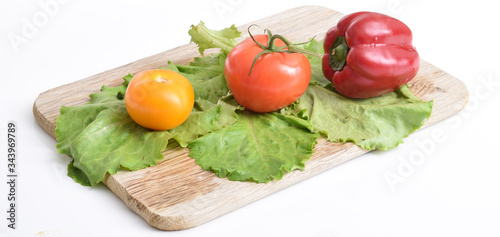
[(206, 75), (77, 118), (258, 147), (114, 140), (78, 175), (381, 122), (102, 138), (206, 38)]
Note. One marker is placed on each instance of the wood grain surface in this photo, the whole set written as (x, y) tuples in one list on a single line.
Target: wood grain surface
[(177, 194)]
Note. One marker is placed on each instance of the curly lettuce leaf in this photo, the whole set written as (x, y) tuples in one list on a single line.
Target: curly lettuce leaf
[(78, 175), (114, 140), (77, 118), (257, 147), (376, 123), (206, 38), (102, 138), (206, 75)]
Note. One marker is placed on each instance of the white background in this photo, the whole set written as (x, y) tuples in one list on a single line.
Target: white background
[(453, 191)]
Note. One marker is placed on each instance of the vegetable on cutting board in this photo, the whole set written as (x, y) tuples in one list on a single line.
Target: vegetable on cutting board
[(222, 135), (368, 54), (159, 99), (265, 74)]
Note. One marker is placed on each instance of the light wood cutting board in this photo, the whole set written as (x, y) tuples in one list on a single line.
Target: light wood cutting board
[(177, 194)]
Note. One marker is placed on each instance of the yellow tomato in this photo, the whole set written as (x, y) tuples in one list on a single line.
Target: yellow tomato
[(159, 99)]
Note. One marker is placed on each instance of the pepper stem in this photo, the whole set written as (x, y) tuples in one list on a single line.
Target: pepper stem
[(271, 46), (338, 53)]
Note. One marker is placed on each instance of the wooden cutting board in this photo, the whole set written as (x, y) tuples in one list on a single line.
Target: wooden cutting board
[(177, 194)]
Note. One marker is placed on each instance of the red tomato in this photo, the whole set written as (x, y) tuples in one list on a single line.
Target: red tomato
[(159, 99), (277, 79)]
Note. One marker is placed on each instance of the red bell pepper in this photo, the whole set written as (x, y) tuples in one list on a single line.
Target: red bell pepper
[(369, 54)]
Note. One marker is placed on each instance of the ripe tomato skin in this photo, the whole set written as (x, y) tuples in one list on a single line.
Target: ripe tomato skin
[(276, 80), (159, 99)]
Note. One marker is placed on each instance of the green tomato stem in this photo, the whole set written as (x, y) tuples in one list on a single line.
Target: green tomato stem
[(271, 46)]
